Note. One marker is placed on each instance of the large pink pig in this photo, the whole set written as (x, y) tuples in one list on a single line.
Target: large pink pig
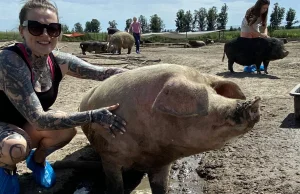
[(171, 111)]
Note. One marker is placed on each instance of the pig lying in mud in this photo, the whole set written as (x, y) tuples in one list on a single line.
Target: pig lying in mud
[(90, 46), (249, 51), (171, 111)]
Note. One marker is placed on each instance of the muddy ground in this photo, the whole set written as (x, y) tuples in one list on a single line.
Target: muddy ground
[(265, 160)]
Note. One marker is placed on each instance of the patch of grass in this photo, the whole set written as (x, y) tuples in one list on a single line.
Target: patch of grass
[(8, 36), (222, 36)]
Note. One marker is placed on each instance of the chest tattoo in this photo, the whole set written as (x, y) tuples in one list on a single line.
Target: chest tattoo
[(41, 74)]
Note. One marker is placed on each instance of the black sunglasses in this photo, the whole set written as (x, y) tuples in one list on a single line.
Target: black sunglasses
[(36, 28)]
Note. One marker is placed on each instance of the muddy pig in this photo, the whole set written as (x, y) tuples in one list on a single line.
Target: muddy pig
[(172, 111), (249, 51), (90, 46), (120, 40), (196, 43)]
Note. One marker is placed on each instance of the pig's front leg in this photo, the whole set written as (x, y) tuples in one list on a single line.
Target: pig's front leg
[(266, 64), (258, 67), (114, 179), (159, 179), (230, 65)]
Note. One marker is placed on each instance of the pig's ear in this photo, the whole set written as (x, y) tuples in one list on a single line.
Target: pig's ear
[(228, 89), (182, 98)]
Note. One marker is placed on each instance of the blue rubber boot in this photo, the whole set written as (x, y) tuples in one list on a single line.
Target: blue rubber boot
[(250, 69), (43, 175), (9, 183), (253, 68), (262, 67)]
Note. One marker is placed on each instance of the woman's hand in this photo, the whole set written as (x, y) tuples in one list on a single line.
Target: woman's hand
[(108, 120)]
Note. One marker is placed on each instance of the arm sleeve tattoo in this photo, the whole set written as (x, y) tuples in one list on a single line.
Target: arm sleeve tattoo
[(18, 88), (81, 69)]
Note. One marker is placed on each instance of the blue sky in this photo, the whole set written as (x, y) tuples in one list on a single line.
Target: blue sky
[(72, 11)]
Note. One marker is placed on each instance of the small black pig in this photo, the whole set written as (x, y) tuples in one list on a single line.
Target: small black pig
[(249, 51)]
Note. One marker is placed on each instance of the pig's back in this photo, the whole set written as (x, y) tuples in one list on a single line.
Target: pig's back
[(139, 85)]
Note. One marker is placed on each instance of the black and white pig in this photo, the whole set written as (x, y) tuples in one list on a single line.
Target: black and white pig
[(249, 51)]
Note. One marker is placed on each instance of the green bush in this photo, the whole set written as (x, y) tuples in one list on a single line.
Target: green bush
[(8, 36), (102, 36)]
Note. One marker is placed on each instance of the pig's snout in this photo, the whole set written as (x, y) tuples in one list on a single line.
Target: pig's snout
[(254, 115), (285, 53)]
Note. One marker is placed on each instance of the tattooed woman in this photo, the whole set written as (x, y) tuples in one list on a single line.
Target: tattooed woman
[(30, 73), (255, 17)]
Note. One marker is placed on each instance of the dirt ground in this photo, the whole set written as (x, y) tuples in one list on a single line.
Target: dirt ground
[(265, 160)]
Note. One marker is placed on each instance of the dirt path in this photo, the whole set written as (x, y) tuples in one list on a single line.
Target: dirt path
[(266, 160)]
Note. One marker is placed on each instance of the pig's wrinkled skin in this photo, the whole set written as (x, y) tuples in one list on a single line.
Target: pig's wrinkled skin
[(249, 51), (171, 112)]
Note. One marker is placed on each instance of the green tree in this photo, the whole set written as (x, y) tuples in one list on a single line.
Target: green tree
[(144, 24), (223, 17), (88, 27), (95, 25), (179, 22), (112, 24), (156, 23), (65, 28), (200, 19), (188, 21), (290, 18), (128, 22), (212, 16), (78, 27), (276, 16)]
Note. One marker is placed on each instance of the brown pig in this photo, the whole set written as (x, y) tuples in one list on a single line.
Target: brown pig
[(171, 111)]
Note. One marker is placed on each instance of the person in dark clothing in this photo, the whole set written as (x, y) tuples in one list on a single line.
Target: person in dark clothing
[(111, 31), (30, 74)]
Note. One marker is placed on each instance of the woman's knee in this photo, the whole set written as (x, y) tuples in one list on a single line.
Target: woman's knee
[(14, 149), (64, 135), (51, 136), (70, 133)]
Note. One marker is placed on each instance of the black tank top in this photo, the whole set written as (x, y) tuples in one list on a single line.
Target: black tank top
[(8, 112)]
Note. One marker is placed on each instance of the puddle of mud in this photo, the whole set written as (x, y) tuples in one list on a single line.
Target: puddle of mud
[(183, 180)]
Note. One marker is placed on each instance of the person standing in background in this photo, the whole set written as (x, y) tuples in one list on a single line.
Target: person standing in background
[(135, 26)]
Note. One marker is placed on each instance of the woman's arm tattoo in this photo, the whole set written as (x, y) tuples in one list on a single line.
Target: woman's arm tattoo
[(81, 69), (18, 88)]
